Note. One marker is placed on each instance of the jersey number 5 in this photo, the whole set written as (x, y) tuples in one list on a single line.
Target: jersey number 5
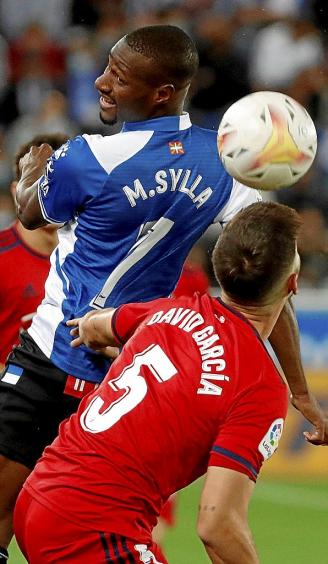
[(134, 386)]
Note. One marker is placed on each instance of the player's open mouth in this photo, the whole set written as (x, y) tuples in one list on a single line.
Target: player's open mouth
[(106, 104)]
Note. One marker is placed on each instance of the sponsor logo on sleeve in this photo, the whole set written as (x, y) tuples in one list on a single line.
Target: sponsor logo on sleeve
[(61, 152), (269, 444)]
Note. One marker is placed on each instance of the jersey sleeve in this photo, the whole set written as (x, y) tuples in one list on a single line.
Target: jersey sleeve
[(241, 196), (72, 177), (127, 318), (252, 431)]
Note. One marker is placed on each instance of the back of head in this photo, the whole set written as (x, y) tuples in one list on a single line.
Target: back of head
[(55, 140), (172, 50), (255, 254)]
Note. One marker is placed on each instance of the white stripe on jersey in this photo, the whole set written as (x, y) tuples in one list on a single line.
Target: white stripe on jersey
[(156, 233), (241, 196), (113, 150), (184, 121), (49, 315)]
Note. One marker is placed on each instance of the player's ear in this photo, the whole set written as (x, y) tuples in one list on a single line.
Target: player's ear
[(293, 284), (13, 188), (164, 93)]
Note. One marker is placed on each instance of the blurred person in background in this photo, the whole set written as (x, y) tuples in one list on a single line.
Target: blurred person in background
[(7, 210), (5, 164), (37, 66), (82, 71), (222, 76), (4, 64), (313, 246), (35, 49), (24, 263), (290, 47), (50, 117), (54, 16)]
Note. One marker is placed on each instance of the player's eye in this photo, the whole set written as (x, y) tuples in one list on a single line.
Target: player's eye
[(109, 69), (117, 77)]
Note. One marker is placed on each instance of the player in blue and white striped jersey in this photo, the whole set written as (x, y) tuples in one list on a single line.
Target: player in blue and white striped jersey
[(132, 209), (132, 205)]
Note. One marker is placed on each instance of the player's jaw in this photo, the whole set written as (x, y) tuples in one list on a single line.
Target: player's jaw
[(108, 109)]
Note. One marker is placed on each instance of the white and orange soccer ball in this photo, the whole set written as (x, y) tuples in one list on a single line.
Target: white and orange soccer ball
[(267, 140)]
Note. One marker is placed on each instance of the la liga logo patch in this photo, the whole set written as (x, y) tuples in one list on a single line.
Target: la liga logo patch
[(270, 441)]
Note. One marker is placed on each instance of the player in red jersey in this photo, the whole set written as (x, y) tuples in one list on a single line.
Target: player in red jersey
[(194, 391), (24, 267), (24, 264)]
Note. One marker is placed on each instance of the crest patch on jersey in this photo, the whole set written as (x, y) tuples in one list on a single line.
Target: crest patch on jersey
[(176, 148), (270, 441)]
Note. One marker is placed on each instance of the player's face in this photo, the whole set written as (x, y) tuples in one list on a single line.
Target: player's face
[(126, 93)]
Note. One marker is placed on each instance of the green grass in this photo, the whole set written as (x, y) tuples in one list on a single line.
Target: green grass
[(289, 524)]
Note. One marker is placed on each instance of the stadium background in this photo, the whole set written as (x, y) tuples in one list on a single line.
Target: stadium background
[(50, 54)]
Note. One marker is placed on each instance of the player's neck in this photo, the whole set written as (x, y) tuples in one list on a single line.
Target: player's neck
[(40, 240), (263, 318), (174, 108)]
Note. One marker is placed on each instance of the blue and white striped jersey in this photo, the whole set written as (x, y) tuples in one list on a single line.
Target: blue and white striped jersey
[(133, 204)]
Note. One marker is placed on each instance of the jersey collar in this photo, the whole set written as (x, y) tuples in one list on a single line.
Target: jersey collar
[(166, 123)]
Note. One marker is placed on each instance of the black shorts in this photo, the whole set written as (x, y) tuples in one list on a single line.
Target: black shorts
[(34, 399)]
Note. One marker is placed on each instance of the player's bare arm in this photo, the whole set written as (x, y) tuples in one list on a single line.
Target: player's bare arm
[(93, 330), (32, 166), (285, 343), (222, 519)]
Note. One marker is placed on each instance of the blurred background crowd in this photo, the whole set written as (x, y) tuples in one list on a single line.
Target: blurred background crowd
[(51, 53)]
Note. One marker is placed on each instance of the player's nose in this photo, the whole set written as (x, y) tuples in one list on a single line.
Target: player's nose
[(103, 83)]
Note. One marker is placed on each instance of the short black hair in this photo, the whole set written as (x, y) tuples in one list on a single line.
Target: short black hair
[(256, 250), (55, 140), (170, 47)]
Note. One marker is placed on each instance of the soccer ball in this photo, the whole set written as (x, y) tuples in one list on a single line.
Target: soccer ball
[(267, 140)]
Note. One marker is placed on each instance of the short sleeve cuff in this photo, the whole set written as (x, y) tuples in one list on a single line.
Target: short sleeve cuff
[(229, 459)]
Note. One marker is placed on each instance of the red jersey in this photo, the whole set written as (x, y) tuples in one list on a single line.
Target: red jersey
[(23, 273), (193, 387)]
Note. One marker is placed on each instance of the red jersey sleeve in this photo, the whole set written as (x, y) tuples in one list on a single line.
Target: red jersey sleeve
[(252, 429), (127, 318)]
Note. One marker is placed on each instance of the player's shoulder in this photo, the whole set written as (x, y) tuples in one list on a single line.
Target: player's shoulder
[(239, 333), (8, 239), (204, 131), (113, 150), (79, 154), (236, 326), (205, 142), (206, 135)]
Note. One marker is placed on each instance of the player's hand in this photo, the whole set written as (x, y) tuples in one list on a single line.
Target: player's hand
[(109, 352), (310, 409), (93, 330), (32, 164)]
